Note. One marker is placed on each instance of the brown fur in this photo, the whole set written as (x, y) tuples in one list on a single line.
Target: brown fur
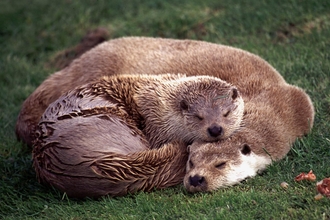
[(166, 107), (273, 120), (139, 55), (89, 141), (89, 172)]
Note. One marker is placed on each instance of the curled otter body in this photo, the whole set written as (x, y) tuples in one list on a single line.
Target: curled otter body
[(272, 122), (140, 55), (99, 136), (165, 107)]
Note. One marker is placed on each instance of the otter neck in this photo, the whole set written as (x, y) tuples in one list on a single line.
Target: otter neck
[(121, 92), (160, 124)]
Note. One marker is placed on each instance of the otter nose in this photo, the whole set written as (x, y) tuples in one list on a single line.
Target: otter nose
[(196, 180), (215, 130)]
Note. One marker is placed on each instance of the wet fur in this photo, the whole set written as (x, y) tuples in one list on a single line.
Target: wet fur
[(97, 135), (89, 172)]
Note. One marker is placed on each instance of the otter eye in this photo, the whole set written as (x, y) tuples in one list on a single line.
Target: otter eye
[(191, 164), (226, 114), (246, 149), (234, 94), (220, 165), (184, 105), (199, 117)]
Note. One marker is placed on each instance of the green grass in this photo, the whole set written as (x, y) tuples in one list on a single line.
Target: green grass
[(292, 35)]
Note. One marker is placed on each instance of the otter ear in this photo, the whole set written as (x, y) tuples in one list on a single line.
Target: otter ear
[(245, 150), (188, 148), (184, 105), (234, 93)]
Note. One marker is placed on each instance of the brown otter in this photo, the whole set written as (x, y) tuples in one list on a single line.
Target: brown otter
[(272, 122), (139, 55), (165, 107), (92, 136)]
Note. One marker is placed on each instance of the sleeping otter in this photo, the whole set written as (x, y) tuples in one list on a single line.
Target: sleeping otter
[(121, 118), (166, 107)]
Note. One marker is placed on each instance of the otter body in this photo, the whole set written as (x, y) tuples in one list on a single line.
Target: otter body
[(165, 107), (100, 134), (272, 122), (140, 55)]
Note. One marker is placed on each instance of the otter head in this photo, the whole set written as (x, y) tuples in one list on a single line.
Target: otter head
[(187, 109), (210, 109), (214, 165)]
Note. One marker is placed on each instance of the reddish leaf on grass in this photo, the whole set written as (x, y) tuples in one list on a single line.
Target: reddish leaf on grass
[(303, 176), (323, 187)]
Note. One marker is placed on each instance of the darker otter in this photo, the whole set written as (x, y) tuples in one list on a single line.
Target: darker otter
[(165, 107), (99, 135)]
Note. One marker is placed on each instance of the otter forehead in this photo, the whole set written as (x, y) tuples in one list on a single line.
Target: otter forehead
[(203, 83), (205, 106), (202, 91), (215, 98), (208, 152), (213, 88)]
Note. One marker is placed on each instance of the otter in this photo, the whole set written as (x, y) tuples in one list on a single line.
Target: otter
[(139, 55), (165, 107), (101, 134), (272, 122)]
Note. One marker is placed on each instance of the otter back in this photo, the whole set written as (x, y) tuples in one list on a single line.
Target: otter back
[(140, 55)]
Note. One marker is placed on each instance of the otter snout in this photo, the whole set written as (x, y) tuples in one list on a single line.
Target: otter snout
[(197, 180), (215, 130)]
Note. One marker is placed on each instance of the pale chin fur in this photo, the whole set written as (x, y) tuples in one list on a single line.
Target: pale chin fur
[(250, 166)]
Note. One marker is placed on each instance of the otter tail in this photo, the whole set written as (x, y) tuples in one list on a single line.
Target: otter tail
[(111, 173)]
